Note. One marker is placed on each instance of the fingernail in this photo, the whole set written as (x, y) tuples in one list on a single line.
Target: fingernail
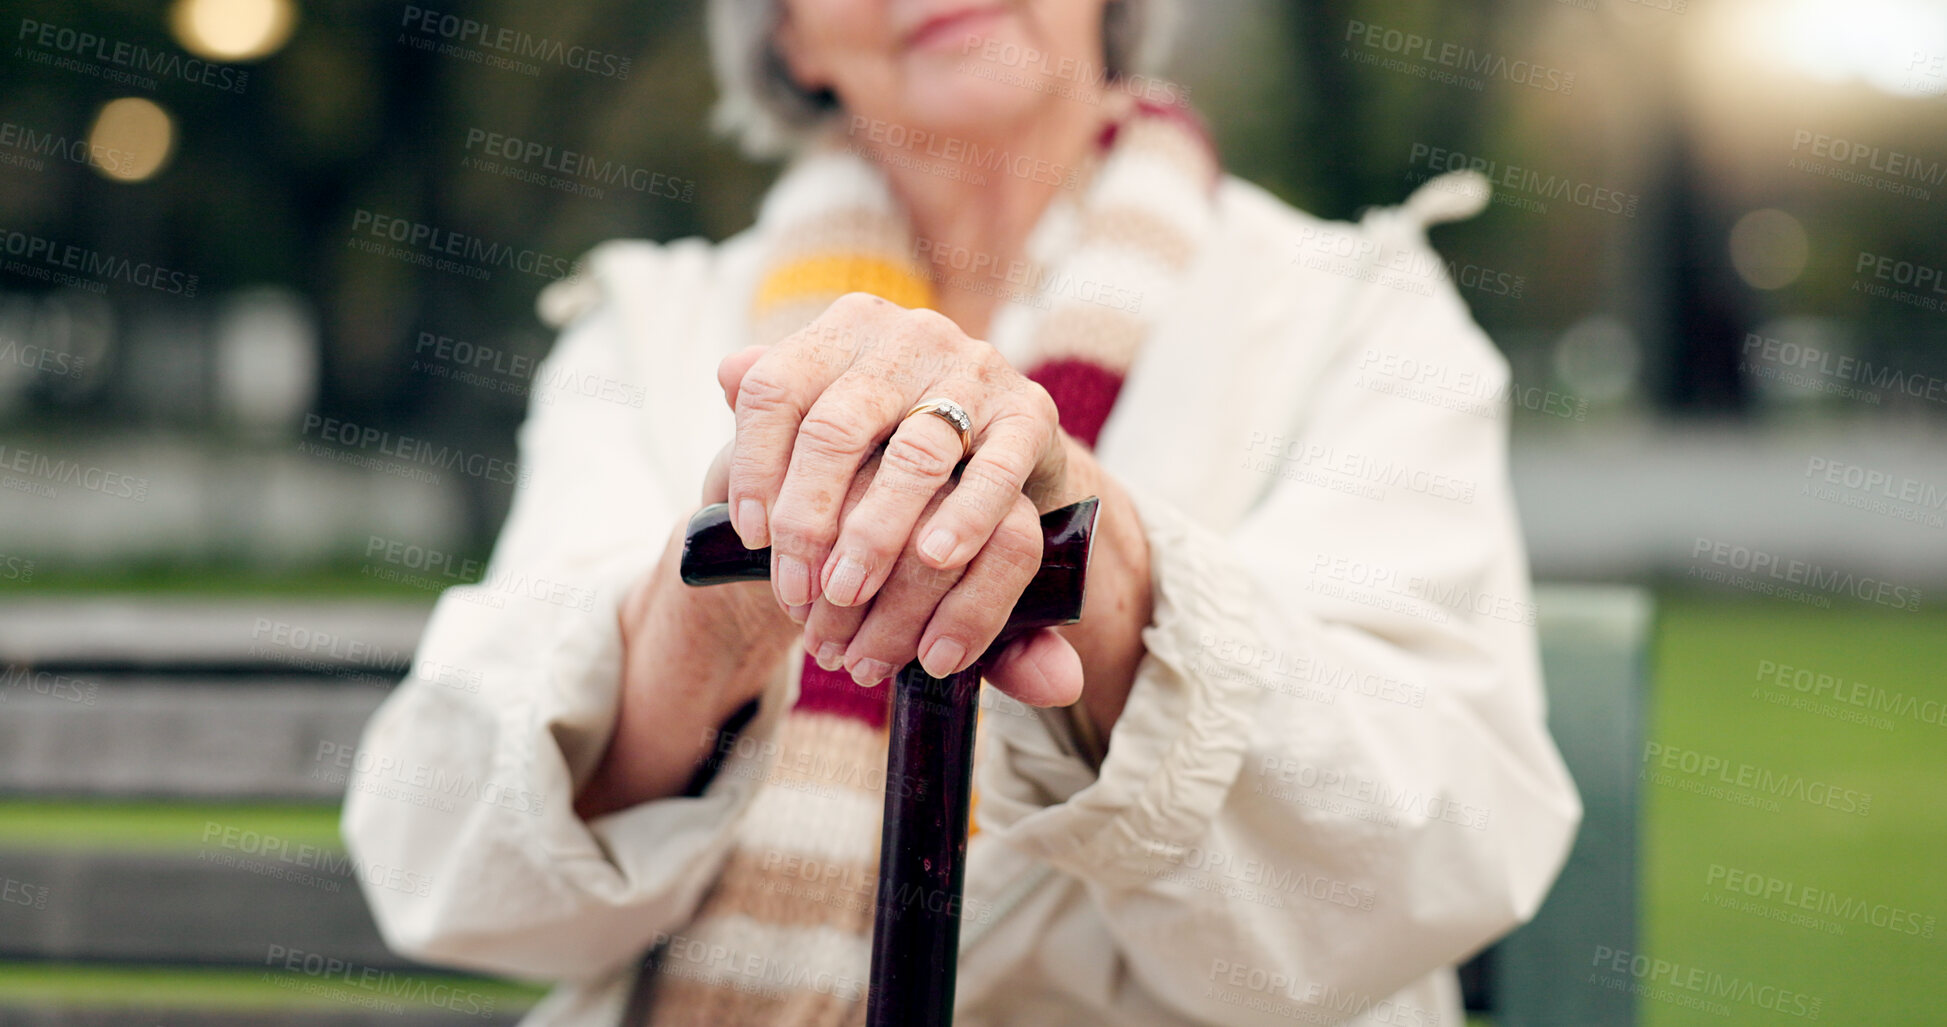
[(943, 656), (870, 672), (831, 656), (799, 614), (750, 524), (938, 545), (793, 581), (846, 581)]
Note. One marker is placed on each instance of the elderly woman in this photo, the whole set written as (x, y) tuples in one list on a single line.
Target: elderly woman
[(1292, 761)]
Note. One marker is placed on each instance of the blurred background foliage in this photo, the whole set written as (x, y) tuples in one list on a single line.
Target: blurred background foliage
[(1694, 113)]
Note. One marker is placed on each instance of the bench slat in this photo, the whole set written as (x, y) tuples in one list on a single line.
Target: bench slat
[(149, 737), (215, 906), (135, 633)]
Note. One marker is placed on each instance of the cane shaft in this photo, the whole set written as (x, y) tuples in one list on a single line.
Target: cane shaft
[(923, 849)]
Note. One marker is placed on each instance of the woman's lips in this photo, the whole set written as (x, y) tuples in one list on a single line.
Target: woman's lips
[(948, 30)]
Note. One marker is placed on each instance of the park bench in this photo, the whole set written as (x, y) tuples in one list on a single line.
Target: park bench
[(169, 783)]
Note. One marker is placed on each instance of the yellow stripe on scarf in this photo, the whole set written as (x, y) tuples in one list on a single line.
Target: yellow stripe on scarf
[(835, 274)]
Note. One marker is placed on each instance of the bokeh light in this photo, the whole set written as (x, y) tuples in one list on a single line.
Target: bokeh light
[(266, 358), (132, 139), (1769, 248), (1598, 359), (233, 30)]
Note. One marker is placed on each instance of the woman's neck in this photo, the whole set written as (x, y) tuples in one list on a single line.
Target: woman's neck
[(970, 228)]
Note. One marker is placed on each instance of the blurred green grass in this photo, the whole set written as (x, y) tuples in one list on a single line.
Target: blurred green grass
[(157, 826), (1708, 653), (165, 989)]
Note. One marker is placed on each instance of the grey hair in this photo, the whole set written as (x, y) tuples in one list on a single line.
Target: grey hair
[(770, 114)]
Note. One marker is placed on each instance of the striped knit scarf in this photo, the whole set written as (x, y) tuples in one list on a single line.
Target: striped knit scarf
[(784, 937)]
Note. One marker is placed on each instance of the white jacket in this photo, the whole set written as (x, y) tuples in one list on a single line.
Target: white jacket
[(1332, 780)]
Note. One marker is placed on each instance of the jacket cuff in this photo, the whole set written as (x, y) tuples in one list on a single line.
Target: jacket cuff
[(664, 846), (1178, 745), (680, 841)]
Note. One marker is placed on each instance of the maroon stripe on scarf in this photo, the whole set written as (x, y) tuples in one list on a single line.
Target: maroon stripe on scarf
[(1083, 391), (834, 692)]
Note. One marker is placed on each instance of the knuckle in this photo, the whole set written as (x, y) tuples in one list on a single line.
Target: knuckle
[(825, 431), (976, 624), (905, 373), (974, 505), (825, 347), (1021, 401), (1030, 406), (1043, 400), (927, 337), (764, 389), (919, 455), (831, 340), (987, 369), (993, 486), (744, 465), (930, 323), (984, 601), (856, 303), (1012, 463), (1018, 548), (796, 531), (992, 365)]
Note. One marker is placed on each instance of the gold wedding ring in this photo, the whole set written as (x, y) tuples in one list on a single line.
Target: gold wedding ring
[(953, 414)]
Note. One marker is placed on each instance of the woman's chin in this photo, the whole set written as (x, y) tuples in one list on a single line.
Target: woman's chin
[(962, 105)]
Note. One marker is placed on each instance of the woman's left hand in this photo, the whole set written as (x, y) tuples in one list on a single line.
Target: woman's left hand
[(811, 409)]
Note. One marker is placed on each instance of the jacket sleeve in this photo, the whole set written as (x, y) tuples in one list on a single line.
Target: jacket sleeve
[(1333, 775), (463, 784)]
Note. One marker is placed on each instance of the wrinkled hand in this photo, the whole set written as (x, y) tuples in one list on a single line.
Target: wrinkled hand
[(812, 413), (811, 409)]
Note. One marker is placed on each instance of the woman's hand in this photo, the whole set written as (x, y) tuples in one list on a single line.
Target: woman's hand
[(902, 603), (811, 409), (690, 658)]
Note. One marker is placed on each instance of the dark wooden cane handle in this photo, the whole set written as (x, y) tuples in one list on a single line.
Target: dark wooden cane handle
[(714, 555)]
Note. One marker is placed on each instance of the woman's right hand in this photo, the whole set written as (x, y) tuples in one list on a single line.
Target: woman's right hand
[(691, 657)]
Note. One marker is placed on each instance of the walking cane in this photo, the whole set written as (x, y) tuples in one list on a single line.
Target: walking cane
[(923, 846)]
